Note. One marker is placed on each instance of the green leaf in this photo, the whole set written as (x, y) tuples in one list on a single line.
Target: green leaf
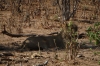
[(94, 33), (89, 28), (96, 42), (69, 24)]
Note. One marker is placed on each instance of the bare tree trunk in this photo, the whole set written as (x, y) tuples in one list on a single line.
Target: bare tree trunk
[(65, 7)]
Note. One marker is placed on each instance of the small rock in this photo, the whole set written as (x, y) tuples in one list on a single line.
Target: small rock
[(46, 62), (36, 55), (80, 55)]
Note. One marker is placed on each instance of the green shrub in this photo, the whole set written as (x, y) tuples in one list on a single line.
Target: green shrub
[(94, 33), (69, 34), (99, 62)]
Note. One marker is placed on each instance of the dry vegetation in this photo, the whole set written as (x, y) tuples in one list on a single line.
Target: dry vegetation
[(40, 33)]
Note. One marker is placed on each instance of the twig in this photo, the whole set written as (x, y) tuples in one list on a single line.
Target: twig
[(56, 56), (39, 48)]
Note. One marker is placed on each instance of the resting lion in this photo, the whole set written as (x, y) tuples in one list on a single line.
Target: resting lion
[(44, 42)]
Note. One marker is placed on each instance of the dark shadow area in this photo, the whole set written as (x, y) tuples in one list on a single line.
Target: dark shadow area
[(13, 46), (4, 48), (88, 46), (82, 35)]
